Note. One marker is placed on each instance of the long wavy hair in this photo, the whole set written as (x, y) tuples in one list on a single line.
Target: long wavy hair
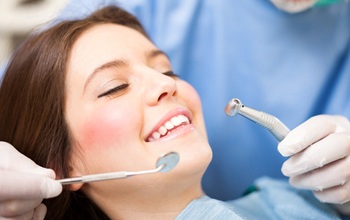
[(32, 103)]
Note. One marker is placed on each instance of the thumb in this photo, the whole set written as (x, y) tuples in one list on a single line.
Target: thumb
[(50, 188), (309, 132), (13, 186)]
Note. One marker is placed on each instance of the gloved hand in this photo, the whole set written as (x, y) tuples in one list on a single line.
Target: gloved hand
[(23, 185), (320, 161)]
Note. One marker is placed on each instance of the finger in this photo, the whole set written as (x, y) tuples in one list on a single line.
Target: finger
[(337, 195), (17, 208), (27, 186), (26, 216), (306, 134), (41, 171), (328, 150), (323, 178), (40, 212), (11, 159)]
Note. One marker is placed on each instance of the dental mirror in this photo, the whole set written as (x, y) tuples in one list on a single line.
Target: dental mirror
[(168, 161), (164, 164)]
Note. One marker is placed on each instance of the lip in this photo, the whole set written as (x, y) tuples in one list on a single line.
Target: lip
[(168, 116)]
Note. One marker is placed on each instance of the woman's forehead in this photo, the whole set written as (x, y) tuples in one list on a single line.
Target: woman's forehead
[(113, 33), (111, 39), (105, 42)]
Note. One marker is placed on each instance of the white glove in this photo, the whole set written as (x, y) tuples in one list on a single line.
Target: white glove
[(320, 149), (293, 6), (23, 185)]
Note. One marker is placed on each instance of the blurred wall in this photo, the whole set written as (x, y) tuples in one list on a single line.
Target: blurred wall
[(18, 17)]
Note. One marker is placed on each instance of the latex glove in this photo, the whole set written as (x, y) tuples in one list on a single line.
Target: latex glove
[(293, 6), (320, 161), (24, 185)]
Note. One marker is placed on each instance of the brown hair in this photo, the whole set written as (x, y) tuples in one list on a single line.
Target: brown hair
[(32, 100)]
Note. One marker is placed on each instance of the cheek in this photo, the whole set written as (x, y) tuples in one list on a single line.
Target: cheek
[(190, 96), (107, 128)]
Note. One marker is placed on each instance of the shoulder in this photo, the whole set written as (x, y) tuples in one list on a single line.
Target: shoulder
[(276, 199)]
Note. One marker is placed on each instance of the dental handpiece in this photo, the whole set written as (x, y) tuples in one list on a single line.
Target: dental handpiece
[(164, 164), (270, 122)]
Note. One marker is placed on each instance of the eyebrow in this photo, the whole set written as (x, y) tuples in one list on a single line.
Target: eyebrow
[(154, 53), (119, 63)]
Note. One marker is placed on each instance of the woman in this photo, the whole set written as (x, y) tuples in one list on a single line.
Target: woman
[(75, 109), (95, 95)]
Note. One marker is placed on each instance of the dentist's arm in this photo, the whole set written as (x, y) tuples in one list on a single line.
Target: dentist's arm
[(320, 161), (24, 185)]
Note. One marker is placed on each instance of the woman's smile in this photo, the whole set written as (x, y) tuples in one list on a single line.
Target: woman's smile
[(170, 124)]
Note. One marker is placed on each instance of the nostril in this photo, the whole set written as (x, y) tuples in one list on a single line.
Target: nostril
[(164, 94)]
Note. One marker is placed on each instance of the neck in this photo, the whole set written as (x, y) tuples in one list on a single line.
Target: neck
[(160, 207), (153, 203)]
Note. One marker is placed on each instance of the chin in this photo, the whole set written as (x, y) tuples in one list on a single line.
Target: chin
[(196, 160)]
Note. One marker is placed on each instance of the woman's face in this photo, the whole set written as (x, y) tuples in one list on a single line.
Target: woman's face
[(124, 110)]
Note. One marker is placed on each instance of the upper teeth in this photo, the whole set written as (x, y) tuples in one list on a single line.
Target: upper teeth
[(173, 122)]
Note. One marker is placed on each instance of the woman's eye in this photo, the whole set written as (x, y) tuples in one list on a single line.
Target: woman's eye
[(171, 74), (114, 91)]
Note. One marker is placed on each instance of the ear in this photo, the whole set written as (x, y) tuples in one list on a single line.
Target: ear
[(72, 173), (76, 169), (75, 186)]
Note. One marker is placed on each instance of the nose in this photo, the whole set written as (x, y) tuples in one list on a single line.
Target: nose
[(159, 87)]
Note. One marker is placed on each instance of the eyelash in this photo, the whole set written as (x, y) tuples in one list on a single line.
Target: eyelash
[(171, 74), (126, 85), (114, 90)]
